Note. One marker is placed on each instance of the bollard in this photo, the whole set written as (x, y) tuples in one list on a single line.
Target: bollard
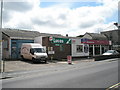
[(69, 59), (3, 66)]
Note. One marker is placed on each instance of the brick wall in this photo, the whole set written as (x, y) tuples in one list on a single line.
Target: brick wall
[(61, 51)]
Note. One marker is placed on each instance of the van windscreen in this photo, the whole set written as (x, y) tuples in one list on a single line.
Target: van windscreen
[(39, 50)]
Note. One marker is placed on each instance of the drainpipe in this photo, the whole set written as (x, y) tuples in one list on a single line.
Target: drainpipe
[(0, 50), (93, 50), (100, 50)]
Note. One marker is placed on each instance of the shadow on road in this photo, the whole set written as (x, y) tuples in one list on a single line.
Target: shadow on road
[(31, 62)]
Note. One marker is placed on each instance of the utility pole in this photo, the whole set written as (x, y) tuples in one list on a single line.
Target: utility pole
[(1, 61), (1, 14)]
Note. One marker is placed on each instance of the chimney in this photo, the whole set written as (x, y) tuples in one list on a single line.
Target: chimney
[(117, 25), (66, 35)]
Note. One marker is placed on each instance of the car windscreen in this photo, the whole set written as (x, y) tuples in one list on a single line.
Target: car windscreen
[(39, 50), (110, 51)]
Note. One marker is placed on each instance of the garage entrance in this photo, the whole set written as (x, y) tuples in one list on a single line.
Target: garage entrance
[(16, 46)]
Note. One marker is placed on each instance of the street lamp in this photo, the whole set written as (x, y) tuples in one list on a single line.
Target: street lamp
[(1, 14)]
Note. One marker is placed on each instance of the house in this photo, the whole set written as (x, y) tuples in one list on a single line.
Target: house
[(98, 43), (114, 37)]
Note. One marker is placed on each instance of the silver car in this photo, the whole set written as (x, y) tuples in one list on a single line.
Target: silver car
[(111, 52)]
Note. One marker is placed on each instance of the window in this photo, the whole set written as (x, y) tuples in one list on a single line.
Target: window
[(39, 50), (14, 42), (50, 48), (61, 47), (5, 45), (32, 51), (86, 48), (79, 48)]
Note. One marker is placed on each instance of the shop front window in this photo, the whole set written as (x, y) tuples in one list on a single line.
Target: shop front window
[(97, 49), (79, 48), (86, 48)]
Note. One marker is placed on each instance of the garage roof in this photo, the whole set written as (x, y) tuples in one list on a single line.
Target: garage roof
[(23, 34)]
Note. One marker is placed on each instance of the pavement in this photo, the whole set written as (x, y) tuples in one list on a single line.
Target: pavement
[(19, 65), (81, 74), (16, 66)]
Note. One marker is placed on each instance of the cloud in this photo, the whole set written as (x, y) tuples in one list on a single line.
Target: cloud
[(7, 16), (48, 23), (59, 18), (17, 6)]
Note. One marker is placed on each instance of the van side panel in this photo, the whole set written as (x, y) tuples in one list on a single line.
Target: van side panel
[(25, 51)]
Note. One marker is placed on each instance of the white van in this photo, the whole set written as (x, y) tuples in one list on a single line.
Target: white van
[(34, 52)]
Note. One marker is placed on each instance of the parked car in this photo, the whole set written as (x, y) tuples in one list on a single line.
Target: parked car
[(111, 52)]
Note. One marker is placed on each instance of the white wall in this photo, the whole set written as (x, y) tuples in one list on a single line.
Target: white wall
[(38, 40), (0, 45), (87, 36), (74, 50)]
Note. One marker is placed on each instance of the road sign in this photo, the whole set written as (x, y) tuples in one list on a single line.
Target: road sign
[(51, 52), (57, 44), (50, 38), (69, 59), (60, 40)]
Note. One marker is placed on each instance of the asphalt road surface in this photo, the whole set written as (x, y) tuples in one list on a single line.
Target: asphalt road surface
[(98, 74)]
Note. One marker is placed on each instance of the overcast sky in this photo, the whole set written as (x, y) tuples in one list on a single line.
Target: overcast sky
[(73, 17)]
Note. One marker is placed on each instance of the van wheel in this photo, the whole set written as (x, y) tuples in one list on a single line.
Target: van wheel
[(22, 58), (45, 61), (33, 59)]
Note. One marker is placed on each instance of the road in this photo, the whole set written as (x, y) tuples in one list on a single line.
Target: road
[(98, 74)]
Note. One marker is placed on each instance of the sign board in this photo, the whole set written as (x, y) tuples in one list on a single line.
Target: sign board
[(95, 42), (69, 59), (51, 52), (50, 38), (60, 40), (57, 44), (116, 46)]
